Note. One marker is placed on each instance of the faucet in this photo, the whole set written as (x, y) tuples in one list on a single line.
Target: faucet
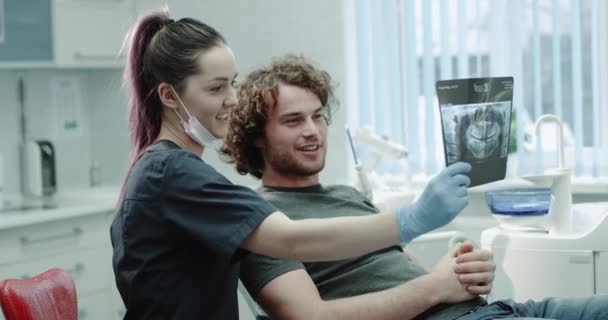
[(560, 135), (560, 212)]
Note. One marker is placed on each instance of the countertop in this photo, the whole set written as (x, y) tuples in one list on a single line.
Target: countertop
[(17, 212)]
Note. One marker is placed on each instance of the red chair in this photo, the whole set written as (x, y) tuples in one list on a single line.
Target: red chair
[(48, 296)]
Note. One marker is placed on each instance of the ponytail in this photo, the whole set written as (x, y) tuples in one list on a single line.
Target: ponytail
[(144, 116), (144, 113)]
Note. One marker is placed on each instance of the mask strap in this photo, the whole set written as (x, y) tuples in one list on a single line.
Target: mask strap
[(180, 102), (180, 117)]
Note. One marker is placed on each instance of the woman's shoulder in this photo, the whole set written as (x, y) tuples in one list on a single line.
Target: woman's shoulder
[(157, 164), (165, 154), (185, 161), (186, 167)]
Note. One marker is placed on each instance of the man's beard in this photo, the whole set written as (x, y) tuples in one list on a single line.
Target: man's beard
[(286, 164)]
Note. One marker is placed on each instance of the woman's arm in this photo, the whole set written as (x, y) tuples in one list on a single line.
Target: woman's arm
[(322, 239), (337, 238)]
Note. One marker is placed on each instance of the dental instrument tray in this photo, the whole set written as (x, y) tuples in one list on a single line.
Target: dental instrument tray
[(520, 201)]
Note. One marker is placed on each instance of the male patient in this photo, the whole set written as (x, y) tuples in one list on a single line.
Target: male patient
[(278, 133)]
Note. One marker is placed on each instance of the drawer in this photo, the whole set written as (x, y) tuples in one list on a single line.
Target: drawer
[(95, 306), (51, 238), (90, 269), (601, 272)]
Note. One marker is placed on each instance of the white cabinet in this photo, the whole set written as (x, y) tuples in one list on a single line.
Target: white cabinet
[(25, 31), (79, 245), (118, 307), (534, 274), (93, 306), (69, 33), (601, 273), (90, 33)]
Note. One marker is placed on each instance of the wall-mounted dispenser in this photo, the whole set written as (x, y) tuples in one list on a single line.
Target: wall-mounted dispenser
[(40, 170)]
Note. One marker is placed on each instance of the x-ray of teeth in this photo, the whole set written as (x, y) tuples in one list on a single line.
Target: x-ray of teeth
[(476, 123), (476, 132)]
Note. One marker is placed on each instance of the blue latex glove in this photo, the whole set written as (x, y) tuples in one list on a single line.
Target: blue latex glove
[(442, 199)]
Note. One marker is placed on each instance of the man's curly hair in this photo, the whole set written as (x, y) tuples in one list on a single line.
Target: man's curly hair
[(256, 95)]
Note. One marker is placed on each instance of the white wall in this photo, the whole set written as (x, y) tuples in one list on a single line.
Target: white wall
[(108, 114), (8, 130), (259, 30)]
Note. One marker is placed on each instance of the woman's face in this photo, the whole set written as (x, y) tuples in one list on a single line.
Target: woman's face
[(210, 95)]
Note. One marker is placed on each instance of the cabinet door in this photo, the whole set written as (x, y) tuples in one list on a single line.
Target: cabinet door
[(90, 269), (91, 33), (528, 274), (118, 307), (25, 31), (95, 306), (49, 239), (601, 272)]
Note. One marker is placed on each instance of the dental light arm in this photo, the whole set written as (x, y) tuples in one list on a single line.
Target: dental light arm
[(382, 146), (386, 191), (366, 186)]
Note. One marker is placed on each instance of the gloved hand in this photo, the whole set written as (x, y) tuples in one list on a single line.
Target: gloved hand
[(442, 199)]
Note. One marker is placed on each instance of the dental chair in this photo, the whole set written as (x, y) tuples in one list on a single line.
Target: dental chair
[(445, 239), (47, 296)]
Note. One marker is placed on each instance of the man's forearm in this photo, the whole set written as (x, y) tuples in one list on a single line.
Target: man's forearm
[(405, 301)]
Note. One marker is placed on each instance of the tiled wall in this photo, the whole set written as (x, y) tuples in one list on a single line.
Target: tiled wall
[(102, 134)]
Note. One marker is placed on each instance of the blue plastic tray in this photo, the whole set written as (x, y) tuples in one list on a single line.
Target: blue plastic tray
[(520, 201)]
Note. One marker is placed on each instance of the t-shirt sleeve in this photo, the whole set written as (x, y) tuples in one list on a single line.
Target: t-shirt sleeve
[(257, 270), (207, 207)]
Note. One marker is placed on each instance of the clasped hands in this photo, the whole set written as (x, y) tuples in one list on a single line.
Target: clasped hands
[(465, 272)]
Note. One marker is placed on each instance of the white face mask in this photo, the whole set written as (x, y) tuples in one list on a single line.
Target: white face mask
[(195, 130)]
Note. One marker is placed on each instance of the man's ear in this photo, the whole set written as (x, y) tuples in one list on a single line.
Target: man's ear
[(167, 96)]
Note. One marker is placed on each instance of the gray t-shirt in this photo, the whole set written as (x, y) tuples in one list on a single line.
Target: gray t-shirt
[(380, 270)]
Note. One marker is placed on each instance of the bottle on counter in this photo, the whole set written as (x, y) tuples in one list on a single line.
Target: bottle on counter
[(95, 174)]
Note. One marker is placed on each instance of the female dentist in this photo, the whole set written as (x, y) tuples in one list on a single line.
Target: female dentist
[(180, 226)]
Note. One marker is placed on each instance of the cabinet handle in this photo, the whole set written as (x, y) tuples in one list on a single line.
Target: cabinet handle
[(87, 56), (74, 272), (28, 241)]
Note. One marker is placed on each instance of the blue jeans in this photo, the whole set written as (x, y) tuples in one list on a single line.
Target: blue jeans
[(594, 307)]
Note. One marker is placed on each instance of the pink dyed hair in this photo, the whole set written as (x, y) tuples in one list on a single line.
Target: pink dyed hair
[(144, 123)]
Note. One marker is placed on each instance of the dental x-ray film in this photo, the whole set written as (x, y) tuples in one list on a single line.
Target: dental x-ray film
[(476, 122)]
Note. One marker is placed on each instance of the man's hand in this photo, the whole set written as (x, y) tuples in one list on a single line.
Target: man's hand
[(474, 268), (452, 289)]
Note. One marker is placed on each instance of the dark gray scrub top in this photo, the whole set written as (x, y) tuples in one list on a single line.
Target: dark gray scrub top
[(176, 237)]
